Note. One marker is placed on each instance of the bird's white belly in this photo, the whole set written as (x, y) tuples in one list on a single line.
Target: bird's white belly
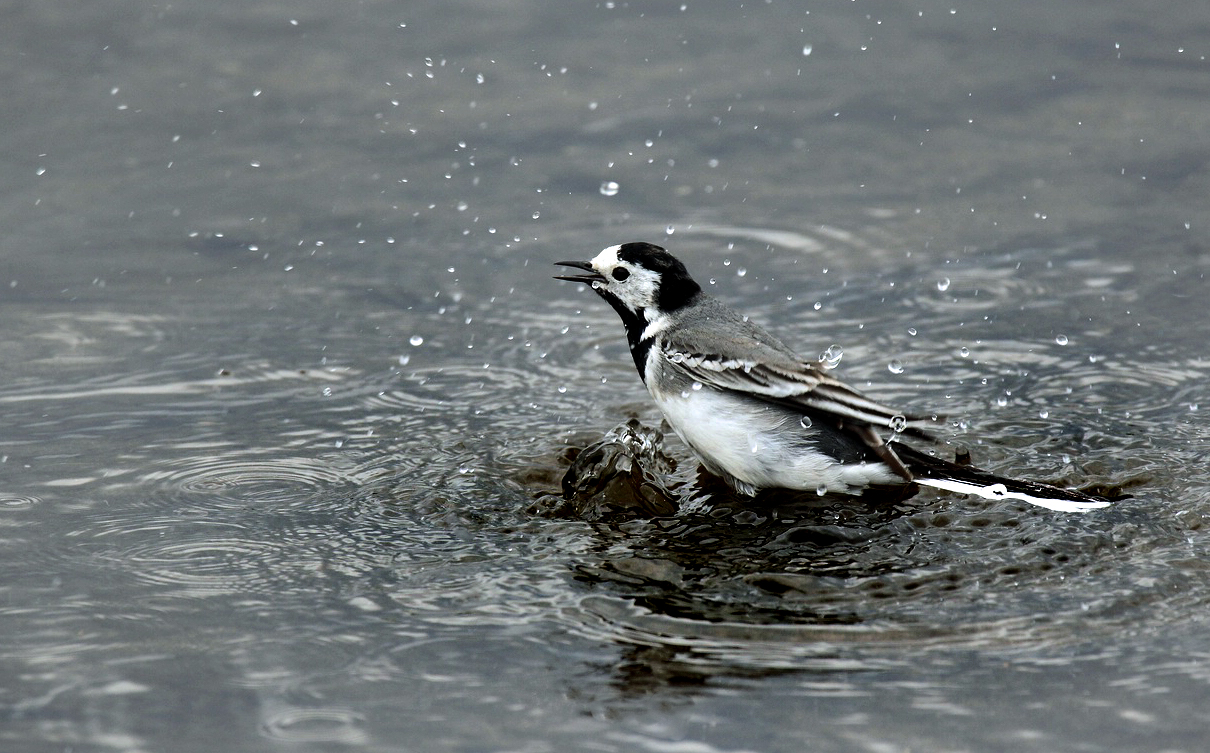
[(759, 445)]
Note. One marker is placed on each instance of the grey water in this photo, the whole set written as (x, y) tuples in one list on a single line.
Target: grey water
[(284, 373)]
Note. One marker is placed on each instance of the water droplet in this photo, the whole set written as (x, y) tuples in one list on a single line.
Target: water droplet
[(1193, 407), (806, 50), (805, 422), (964, 352), (895, 366), (943, 284), (898, 423), (817, 306), (670, 230), (821, 490), (684, 394), (536, 215), (610, 188), (696, 386), (741, 272), (912, 331), (1001, 401), (830, 358), (465, 469), (562, 389), (416, 340), (403, 360), (1043, 413), (1061, 339)]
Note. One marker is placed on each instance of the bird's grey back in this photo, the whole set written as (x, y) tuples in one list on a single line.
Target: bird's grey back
[(712, 327)]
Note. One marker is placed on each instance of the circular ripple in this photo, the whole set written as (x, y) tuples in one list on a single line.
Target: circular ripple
[(789, 581), (316, 726), (279, 478), (276, 555), (210, 567), (18, 501)]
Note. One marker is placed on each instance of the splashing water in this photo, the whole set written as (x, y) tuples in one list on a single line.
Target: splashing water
[(830, 358)]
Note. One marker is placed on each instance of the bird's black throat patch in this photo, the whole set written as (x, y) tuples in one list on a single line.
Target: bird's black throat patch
[(634, 323)]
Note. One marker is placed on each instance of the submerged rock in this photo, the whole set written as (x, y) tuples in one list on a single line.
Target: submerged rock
[(621, 477)]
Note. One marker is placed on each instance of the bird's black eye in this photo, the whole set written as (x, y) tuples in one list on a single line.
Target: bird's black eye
[(621, 273)]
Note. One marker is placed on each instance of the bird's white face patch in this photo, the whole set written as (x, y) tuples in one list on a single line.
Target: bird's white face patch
[(638, 287)]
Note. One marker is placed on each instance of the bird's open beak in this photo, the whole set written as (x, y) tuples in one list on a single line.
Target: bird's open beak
[(591, 277)]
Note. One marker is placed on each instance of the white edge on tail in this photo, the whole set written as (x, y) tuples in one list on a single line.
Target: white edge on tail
[(1000, 491)]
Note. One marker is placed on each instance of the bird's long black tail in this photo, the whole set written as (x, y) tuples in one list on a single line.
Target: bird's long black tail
[(966, 479)]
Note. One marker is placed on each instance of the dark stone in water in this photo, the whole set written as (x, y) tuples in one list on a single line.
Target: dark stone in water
[(621, 477)]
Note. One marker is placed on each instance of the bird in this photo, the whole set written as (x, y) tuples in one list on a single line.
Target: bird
[(755, 412)]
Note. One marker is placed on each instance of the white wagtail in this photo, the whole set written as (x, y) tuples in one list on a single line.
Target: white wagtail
[(755, 412)]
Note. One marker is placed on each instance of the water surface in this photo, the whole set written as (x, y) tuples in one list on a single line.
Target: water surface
[(285, 373)]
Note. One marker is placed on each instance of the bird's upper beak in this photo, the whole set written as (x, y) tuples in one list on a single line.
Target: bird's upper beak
[(591, 277)]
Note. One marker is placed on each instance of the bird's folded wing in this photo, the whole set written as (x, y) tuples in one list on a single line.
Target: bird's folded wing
[(775, 376)]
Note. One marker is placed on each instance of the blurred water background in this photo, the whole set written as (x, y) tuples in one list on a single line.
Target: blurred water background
[(284, 372)]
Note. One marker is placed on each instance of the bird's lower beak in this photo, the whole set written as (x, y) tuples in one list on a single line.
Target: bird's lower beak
[(591, 277)]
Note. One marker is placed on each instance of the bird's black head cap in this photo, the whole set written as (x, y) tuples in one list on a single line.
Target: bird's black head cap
[(677, 287)]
